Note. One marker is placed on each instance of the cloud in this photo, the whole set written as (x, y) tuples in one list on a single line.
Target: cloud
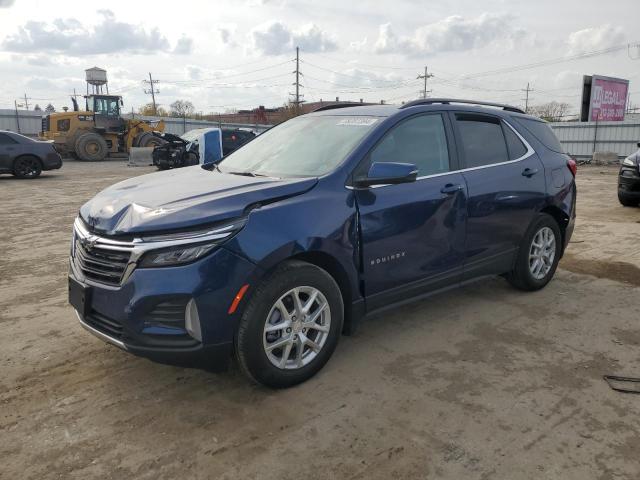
[(358, 45), (69, 36), (355, 77), (454, 33), (596, 38), (6, 3), (184, 46), (276, 38)]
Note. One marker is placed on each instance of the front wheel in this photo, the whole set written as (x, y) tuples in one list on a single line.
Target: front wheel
[(290, 326), (538, 256), (627, 201)]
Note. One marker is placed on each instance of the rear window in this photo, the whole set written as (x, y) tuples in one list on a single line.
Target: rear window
[(542, 131), (482, 139)]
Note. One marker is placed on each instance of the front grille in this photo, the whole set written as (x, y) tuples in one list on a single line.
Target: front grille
[(100, 264), (105, 325)]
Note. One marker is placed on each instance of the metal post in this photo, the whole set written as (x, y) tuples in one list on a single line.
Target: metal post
[(17, 116)]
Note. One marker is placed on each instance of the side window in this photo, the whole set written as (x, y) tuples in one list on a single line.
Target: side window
[(419, 140), (6, 139), (516, 148), (482, 139)]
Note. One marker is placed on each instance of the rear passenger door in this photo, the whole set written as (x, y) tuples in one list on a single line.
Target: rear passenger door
[(412, 234), (506, 188)]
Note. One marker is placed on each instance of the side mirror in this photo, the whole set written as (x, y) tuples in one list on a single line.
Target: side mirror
[(638, 144), (388, 173), (121, 103)]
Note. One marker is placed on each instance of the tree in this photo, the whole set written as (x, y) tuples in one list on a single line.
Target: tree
[(148, 110), (49, 109), (182, 108), (551, 112), (37, 108)]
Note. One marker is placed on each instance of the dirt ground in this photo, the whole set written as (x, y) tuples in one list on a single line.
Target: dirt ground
[(482, 383)]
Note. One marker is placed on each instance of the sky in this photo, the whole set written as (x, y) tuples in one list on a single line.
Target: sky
[(224, 55)]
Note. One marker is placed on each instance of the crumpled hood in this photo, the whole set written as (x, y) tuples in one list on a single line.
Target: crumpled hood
[(182, 198)]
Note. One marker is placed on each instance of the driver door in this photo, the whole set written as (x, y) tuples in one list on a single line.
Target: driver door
[(413, 234)]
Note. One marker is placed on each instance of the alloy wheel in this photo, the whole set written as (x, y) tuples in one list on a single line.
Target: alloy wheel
[(542, 253), (27, 167), (296, 328)]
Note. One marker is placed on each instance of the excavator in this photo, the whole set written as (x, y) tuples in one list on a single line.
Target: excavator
[(99, 131)]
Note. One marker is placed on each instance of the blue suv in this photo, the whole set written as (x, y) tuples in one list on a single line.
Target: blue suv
[(294, 238)]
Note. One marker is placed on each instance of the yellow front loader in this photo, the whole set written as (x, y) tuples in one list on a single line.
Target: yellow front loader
[(99, 131)]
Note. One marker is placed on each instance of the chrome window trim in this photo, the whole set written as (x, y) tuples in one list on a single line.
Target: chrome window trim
[(530, 151)]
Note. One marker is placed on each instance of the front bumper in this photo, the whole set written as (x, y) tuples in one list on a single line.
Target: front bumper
[(629, 182), (146, 315)]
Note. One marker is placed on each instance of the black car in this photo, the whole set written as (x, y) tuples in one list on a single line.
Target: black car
[(25, 157), (202, 145), (629, 180)]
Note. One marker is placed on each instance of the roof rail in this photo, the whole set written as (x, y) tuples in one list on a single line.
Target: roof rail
[(333, 106), (448, 101)]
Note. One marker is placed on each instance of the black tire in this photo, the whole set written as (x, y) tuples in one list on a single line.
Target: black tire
[(148, 139), (91, 147), (27, 166), (250, 338), (521, 276), (627, 201)]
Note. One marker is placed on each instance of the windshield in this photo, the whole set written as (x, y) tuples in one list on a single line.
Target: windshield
[(306, 146)]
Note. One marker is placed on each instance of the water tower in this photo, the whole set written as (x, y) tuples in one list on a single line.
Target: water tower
[(97, 78)]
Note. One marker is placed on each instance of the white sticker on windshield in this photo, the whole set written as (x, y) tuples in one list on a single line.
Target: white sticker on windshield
[(358, 121)]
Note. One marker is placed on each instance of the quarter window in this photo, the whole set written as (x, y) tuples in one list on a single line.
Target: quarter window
[(482, 139), (419, 140), (516, 148)]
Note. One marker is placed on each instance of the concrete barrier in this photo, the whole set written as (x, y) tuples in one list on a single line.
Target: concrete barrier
[(140, 157)]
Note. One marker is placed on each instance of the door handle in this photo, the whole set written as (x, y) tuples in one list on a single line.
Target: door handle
[(529, 172), (451, 188)]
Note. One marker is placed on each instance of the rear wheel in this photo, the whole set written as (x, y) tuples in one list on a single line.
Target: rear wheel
[(627, 201), (27, 166), (290, 326), (538, 256), (91, 147)]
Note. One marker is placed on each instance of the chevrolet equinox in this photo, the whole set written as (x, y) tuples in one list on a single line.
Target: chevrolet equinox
[(294, 238)]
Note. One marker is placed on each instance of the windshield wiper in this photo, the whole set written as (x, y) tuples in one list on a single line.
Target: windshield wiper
[(244, 174)]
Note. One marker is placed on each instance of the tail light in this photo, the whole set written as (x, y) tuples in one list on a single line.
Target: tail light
[(573, 166)]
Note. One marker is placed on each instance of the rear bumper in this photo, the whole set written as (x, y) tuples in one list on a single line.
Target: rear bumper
[(52, 161)]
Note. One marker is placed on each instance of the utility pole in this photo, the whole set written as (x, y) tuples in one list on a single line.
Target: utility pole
[(26, 103), (75, 95), (15, 102), (297, 84), (526, 98), (152, 90), (426, 77)]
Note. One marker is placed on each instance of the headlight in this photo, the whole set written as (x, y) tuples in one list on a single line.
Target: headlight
[(629, 161), (184, 247), (175, 256)]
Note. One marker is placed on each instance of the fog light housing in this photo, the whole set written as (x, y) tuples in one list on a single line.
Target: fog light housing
[(192, 320)]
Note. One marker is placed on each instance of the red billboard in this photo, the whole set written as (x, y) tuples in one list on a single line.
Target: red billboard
[(608, 99)]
